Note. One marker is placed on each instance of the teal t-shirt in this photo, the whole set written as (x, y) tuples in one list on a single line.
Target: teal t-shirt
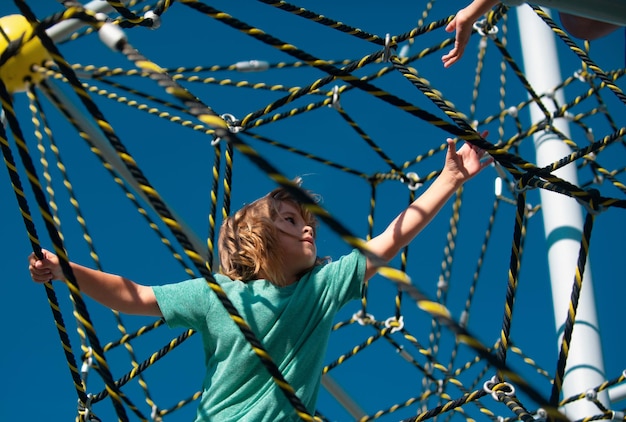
[(293, 323)]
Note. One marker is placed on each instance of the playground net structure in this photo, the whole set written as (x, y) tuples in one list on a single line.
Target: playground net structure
[(133, 131)]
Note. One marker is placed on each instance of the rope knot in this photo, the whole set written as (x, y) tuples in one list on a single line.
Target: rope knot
[(594, 203)]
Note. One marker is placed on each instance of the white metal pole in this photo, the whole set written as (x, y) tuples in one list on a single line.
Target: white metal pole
[(563, 223)]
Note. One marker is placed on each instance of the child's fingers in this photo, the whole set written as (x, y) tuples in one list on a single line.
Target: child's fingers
[(451, 26), (40, 270), (451, 146), (40, 274)]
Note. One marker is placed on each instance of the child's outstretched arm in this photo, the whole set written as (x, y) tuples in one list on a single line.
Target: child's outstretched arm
[(463, 23), (460, 166), (110, 290)]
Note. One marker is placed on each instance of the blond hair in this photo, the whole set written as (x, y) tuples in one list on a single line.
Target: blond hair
[(248, 241)]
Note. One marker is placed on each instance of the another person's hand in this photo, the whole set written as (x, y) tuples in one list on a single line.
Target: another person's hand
[(46, 269), (462, 24)]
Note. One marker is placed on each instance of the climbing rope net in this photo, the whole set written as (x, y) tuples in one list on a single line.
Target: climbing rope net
[(371, 129)]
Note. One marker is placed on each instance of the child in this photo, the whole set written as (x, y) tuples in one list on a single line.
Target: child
[(287, 295)]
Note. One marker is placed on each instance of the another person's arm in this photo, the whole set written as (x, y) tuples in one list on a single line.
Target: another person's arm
[(459, 167), (585, 28), (113, 291)]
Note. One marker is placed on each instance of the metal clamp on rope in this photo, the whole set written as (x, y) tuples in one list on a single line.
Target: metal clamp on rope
[(155, 20), (440, 387), (155, 414), (512, 111), (363, 318), (494, 386), (591, 394), (387, 51), (413, 181), (86, 408), (252, 66), (479, 26), (581, 75), (233, 123), (522, 183), (395, 324), (541, 415), (530, 210), (335, 100), (233, 127), (87, 364)]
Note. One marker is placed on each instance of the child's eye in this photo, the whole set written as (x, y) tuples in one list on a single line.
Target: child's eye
[(291, 220)]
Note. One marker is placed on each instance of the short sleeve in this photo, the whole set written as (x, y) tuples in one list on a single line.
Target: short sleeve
[(184, 304), (343, 278)]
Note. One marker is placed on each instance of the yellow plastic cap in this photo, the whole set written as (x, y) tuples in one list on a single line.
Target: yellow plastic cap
[(19, 68)]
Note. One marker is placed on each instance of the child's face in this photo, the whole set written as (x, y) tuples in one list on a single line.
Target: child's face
[(296, 239)]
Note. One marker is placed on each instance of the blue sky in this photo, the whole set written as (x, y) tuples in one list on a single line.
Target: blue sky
[(178, 163)]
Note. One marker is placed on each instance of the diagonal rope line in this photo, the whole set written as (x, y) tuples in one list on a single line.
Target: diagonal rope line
[(573, 306), (513, 278), (34, 240), (59, 249), (580, 53)]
